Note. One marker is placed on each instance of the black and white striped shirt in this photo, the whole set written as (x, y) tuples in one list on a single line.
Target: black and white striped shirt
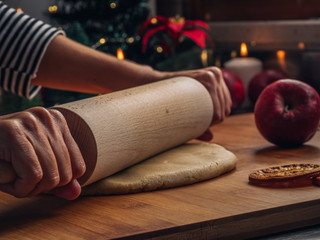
[(23, 41)]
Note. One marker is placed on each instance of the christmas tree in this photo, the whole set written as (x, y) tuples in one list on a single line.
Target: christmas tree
[(105, 25), (109, 26)]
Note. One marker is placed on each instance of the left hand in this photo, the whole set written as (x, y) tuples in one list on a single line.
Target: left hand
[(39, 146)]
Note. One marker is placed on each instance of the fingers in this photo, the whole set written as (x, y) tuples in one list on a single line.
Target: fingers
[(77, 162), (52, 153), (207, 136), (212, 79), (214, 91), (223, 98), (42, 152), (28, 169), (70, 191)]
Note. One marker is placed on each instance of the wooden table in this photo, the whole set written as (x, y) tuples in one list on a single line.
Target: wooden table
[(223, 208)]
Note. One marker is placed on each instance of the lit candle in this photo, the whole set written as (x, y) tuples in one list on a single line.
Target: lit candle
[(281, 55), (120, 54), (245, 67)]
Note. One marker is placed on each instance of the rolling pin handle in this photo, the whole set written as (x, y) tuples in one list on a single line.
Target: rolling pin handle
[(7, 173)]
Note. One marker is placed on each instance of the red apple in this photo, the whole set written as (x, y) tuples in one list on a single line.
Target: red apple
[(287, 112), (236, 88), (261, 80)]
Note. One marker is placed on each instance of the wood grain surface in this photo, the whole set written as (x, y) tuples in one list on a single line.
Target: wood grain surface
[(223, 208)]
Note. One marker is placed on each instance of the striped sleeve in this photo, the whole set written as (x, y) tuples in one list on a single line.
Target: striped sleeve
[(23, 41)]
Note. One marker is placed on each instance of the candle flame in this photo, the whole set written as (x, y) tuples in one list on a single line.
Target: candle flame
[(243, 50), (281, 55), (120, 54), (301, 45)]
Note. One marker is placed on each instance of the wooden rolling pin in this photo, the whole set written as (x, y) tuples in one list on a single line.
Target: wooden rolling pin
[(117, 130)]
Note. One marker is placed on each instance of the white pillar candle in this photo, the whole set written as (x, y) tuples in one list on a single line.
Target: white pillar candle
[(245, 68)]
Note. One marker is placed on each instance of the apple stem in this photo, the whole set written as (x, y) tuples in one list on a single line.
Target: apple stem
[(287, 108)]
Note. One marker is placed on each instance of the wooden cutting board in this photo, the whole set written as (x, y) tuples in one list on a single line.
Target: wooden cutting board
[(223, 208)]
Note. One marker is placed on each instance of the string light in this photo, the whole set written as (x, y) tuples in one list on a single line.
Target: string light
[(154, 21), (102, 41), (207, 16), (159, 49), (253, 43), (53, 8), (113, 5), (233, 54), (218, 62), (204, 57), (130, 40)]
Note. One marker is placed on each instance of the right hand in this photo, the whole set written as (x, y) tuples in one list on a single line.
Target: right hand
[(39, 146), (212, 79)]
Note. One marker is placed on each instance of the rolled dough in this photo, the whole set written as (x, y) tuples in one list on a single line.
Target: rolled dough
[(186, 164)]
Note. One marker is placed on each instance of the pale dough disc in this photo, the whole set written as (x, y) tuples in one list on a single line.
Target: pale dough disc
[(186, 164)]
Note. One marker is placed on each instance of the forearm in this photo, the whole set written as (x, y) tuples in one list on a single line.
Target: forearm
[(70, 66)]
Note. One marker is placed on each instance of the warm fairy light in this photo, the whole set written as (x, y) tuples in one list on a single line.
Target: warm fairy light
[(120, 54), (204, 57), (253, 43), (243, 50), (102, 41), (281, 56), (207, 16), (130, 40), (233, 54), (113, 5), (301, 45), (153, 20), (218, 62), (99, 43), (19, 10), (159, 49), (53, 8)]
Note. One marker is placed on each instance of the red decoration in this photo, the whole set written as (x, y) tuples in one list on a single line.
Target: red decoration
[(176, 28)]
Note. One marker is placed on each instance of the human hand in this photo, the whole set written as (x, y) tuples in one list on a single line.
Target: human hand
[(39, 146), (212, 79)]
